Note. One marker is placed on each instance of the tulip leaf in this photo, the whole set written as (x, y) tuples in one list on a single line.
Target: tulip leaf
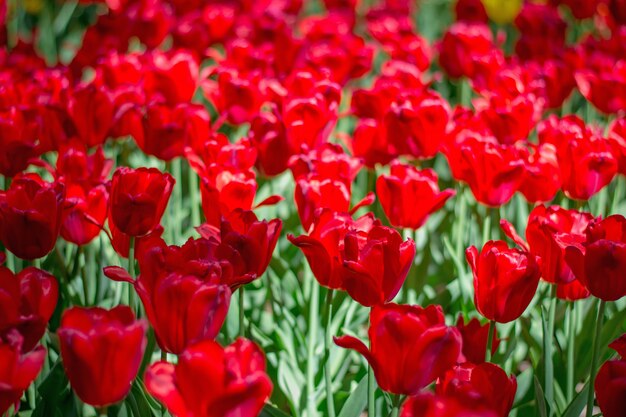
[(539, 397), (356, 402), (575, 408)]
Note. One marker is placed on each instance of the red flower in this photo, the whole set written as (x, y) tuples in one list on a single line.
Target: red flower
[(542, 31), (471, 11), (408, 195), (546, 229), (617, 140), (411, 346), (17, 371), (172, 76), (475, 337), (484, 386), (101, 351), (18, 140), (27, 301), (315, 192), (610, 388), (542, 177), (30, 216), (428, 404), (605, 85), (84, 214), (599, 262), (572, 291), (211, 381), (267, 133), (138, 199), (505, 280), (91, 110), (493, 172), (461, 46)]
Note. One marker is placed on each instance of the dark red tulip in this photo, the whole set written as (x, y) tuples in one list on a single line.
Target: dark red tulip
[(17, 370), (315, 192), (619, 345), (581, 9), (211, 381), (91, 110), (408, 195), (572, 291), (246, 242), (542, 31), (101, 351), (27, 301), (546, 226), (84, 214), (30, 216), (610, 388), (138, 199), (598, 262), (18, 140), (471, 11), (76, 166), (410, 348), (493, 172), (617, 140), (483, 386), (171, 76), (475, 336), (267, 133), (505, 280), (428, 404)]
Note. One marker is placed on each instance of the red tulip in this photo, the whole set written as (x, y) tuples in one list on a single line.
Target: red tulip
[(91, 110), (617, 140), (315, 192), (408, 195), (18, 140), (542, 31), (430, 405), (27, 301), (138, 199), (471, 11), (493, 172), (598, 262), (610, 388), (505, 280), (101, 351), (84, 214), (411, 346), (605, 84), (30, 216), (572, 291), (328, 161), (211, 381), (475, 336), (172, 76), (542, 178), (267, 133), (547, 226), (17, 371), (461, 45)]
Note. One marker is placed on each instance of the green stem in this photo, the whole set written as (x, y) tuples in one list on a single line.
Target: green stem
[(194, 192), (487, 226), (492, 330), (397, 400), (131, 271), (548, 348), (328, 312), (371, 392), (312, 342), (571, 338), (242, 329), (595, 356), (163, 355), (465, 96)]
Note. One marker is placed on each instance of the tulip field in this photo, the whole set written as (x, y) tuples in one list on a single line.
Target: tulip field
[(312, 208)]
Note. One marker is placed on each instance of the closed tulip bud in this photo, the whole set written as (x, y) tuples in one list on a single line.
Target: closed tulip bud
[(138, 199), (30, 216), (211, 381), (410, 348), (409, 196), (505, 280), (101, 351)]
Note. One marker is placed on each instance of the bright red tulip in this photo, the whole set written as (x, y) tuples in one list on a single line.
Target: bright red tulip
[(542, 177), (410, 348), (27, 301), (610, 384), (408, 195), (428, 404), (101, 351), (138, 199), (598, 262), (461, 45), (484, 386), (475, 336), (17, 371), (30, 216), (572, 291), (91, 110), (18, 140), (505, 280), (211, 381), (617, 140)]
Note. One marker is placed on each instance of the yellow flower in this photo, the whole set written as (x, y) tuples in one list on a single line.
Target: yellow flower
[(502, 11), (33, 6)]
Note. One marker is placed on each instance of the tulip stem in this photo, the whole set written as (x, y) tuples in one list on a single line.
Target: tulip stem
[(312, 342), (371, 386), (194, 190), (242, 317), (571, 337), (595, 356), (492, 330), (328, 312), (395, 410), (548, 349), (163, 355), (103, 411), (131, 270)]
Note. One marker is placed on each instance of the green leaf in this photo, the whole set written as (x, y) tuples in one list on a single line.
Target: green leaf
[(577, 405), (539, 397), (356, 402), (271, 411)]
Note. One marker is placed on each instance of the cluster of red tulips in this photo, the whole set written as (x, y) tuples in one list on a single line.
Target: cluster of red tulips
[(151, 152)]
